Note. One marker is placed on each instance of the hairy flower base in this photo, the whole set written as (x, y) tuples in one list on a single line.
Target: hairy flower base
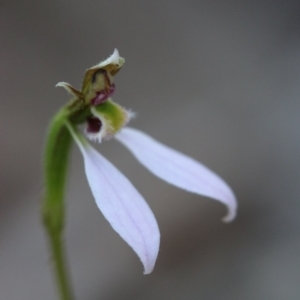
[(106, 120)]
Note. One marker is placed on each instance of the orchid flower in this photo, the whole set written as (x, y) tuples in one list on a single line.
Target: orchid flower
[(119, 201)]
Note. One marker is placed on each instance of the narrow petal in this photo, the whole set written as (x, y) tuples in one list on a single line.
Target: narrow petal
[(121, 204), (178, 169), (71, 90)]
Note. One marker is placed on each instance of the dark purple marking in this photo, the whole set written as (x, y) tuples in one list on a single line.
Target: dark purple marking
[(102, 96), (93, 125)]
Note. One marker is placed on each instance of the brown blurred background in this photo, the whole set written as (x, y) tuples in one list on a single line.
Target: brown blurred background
[(218, 80)]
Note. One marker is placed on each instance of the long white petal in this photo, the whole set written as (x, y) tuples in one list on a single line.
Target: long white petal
[(122, 205), (178, 169)]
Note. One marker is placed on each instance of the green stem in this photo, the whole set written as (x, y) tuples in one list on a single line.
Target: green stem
[(61, 274), (56, 163)]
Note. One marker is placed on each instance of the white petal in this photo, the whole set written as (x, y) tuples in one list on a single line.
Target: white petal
[(122, 205), (113, 59), (178, 169)]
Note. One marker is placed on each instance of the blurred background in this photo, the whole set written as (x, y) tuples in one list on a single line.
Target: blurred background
[(217, 80)]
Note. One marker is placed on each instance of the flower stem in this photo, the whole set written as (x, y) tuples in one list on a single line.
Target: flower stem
[(57, 151), (61, 274)]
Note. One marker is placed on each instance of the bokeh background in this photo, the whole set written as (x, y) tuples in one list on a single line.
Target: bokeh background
[(217, 80)]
